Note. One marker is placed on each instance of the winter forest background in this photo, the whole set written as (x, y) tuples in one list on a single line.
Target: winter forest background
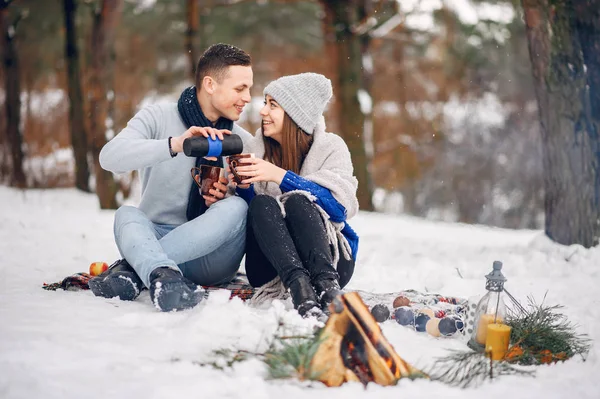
[(435, 98)]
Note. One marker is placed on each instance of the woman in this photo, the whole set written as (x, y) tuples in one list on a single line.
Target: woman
[(300, 189)]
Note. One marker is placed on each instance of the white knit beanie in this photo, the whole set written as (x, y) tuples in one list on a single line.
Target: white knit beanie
[(303, 97)]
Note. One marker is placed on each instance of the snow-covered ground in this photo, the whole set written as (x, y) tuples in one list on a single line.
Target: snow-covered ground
[(74, 345)]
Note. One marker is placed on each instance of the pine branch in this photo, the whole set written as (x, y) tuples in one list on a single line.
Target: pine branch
[(470, 368), (542, 335), (291, 358), (226, 358), (286, 356)]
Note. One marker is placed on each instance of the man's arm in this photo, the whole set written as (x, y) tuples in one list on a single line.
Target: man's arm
[(137, 145)]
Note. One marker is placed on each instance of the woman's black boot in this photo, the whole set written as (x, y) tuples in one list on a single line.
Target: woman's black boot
[(304, 298), (327, 290)]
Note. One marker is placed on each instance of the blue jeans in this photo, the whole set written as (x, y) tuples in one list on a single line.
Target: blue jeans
[(207, 250)]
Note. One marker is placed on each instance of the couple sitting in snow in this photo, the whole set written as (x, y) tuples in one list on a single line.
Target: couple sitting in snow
[(288, 217)]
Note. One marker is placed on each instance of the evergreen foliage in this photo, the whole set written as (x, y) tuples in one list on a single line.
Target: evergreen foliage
[(544, 335), (539, 335), (469, 369), (291, 358)]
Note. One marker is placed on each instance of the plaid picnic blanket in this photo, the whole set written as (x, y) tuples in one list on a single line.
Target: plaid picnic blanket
[(75, 282), (442, 306), (239, 286), (460, 310)]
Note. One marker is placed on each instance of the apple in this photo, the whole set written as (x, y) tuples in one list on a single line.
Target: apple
[(98, 268)]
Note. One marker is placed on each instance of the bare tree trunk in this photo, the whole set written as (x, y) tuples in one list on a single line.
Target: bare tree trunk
[(28, 82), (329, 37), (408, 191), (79, 140), (587, 23), (4, 156), (563, 67), (344, 15), (13, 96), (102, 62), (190, 35)]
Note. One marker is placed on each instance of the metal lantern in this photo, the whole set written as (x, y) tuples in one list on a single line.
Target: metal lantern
[(491, 308)]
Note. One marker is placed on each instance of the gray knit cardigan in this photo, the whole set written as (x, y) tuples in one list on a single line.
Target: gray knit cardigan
[(328, 164)]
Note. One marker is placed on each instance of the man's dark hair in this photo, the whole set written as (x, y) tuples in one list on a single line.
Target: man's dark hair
[(217, 58)]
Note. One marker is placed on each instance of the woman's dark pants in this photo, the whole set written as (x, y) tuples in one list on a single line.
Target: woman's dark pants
[(290, 246)]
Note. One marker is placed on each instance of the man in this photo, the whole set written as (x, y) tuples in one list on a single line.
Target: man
[(175, 240)]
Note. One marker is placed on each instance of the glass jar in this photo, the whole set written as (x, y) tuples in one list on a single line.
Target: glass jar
[(490, 309)]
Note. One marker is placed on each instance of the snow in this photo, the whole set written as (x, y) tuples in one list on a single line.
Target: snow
[(365, 101), (72, 344), (59, 162), (484, 110), (468, 11), (419, 15), (388, 26), (43, 103)]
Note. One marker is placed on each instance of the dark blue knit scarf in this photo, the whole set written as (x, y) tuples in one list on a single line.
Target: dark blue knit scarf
[(192, 115)]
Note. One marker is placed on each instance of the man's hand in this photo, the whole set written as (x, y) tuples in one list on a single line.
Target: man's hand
[(177, 142), (217, 193), (259, 170)]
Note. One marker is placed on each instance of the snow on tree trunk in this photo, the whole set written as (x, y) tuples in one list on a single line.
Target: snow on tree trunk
[(564, 47)]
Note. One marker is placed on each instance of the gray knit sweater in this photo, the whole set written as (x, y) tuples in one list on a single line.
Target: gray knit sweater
[(143, 145), (328, 164)]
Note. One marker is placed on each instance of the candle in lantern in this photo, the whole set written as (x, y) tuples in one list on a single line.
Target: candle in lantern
[(491, 308), (482, 330), (497, 340)]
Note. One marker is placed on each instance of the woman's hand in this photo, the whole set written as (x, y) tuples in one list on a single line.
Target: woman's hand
[(259, 170)]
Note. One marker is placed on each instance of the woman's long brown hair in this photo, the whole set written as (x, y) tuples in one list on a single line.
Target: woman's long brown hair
[(295, 144)]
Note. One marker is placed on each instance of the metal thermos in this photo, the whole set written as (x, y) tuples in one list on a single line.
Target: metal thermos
[(201, 146)]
